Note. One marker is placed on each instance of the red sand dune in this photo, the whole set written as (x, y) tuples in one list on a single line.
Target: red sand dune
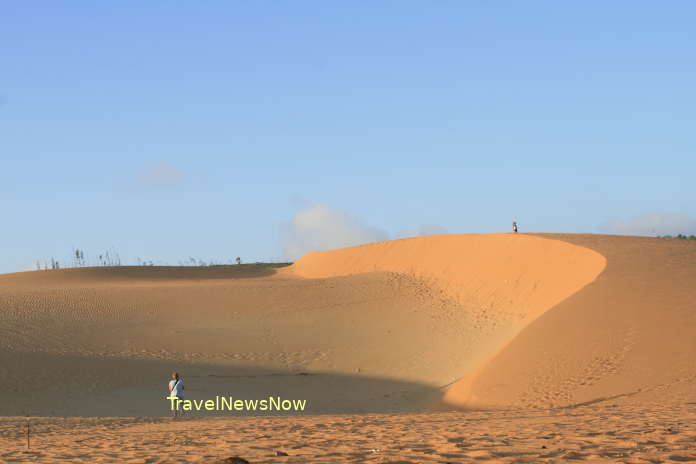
[(597, 317), (514, 275), (629, 336), (601, 329)]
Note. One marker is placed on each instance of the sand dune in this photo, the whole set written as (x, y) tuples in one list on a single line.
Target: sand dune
[(105, 347), (488, 320), (625, 332), (579, 346), (629, 336), (516, 276), (499, 283)]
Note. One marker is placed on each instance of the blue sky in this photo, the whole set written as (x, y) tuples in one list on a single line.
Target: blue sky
[(216, 129)]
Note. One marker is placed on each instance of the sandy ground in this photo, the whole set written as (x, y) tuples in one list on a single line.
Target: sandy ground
[(107, 347), (597, 434), (581, 343)]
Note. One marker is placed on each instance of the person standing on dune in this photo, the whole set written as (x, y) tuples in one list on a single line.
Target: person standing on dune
[(176, 389), (514, 227)]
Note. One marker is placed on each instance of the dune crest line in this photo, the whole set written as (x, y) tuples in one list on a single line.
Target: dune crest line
[(514, 274)]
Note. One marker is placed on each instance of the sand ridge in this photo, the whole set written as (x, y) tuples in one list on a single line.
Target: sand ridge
[(629, 336), (508, 279), (513, 274)]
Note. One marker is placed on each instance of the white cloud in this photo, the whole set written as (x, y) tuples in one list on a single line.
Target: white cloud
[(652, 224), (425, 229), (162, 175), (320, 227)]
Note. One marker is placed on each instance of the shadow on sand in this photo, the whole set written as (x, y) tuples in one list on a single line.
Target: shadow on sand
[(42, 384)]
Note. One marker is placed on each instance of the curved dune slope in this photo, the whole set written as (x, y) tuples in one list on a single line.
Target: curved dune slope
[(629, 336), (510, 276)]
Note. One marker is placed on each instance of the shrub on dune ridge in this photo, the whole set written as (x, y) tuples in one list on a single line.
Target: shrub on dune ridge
[(111, 258), (680, 237)]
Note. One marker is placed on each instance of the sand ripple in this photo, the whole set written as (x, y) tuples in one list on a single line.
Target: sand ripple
[(619, 434)]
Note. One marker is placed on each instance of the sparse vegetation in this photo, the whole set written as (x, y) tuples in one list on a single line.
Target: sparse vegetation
[(45, 266), (680, 237), (111, 258)]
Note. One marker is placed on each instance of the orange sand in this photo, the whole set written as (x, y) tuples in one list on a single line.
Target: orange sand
[(594, 434), (587, 339)]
